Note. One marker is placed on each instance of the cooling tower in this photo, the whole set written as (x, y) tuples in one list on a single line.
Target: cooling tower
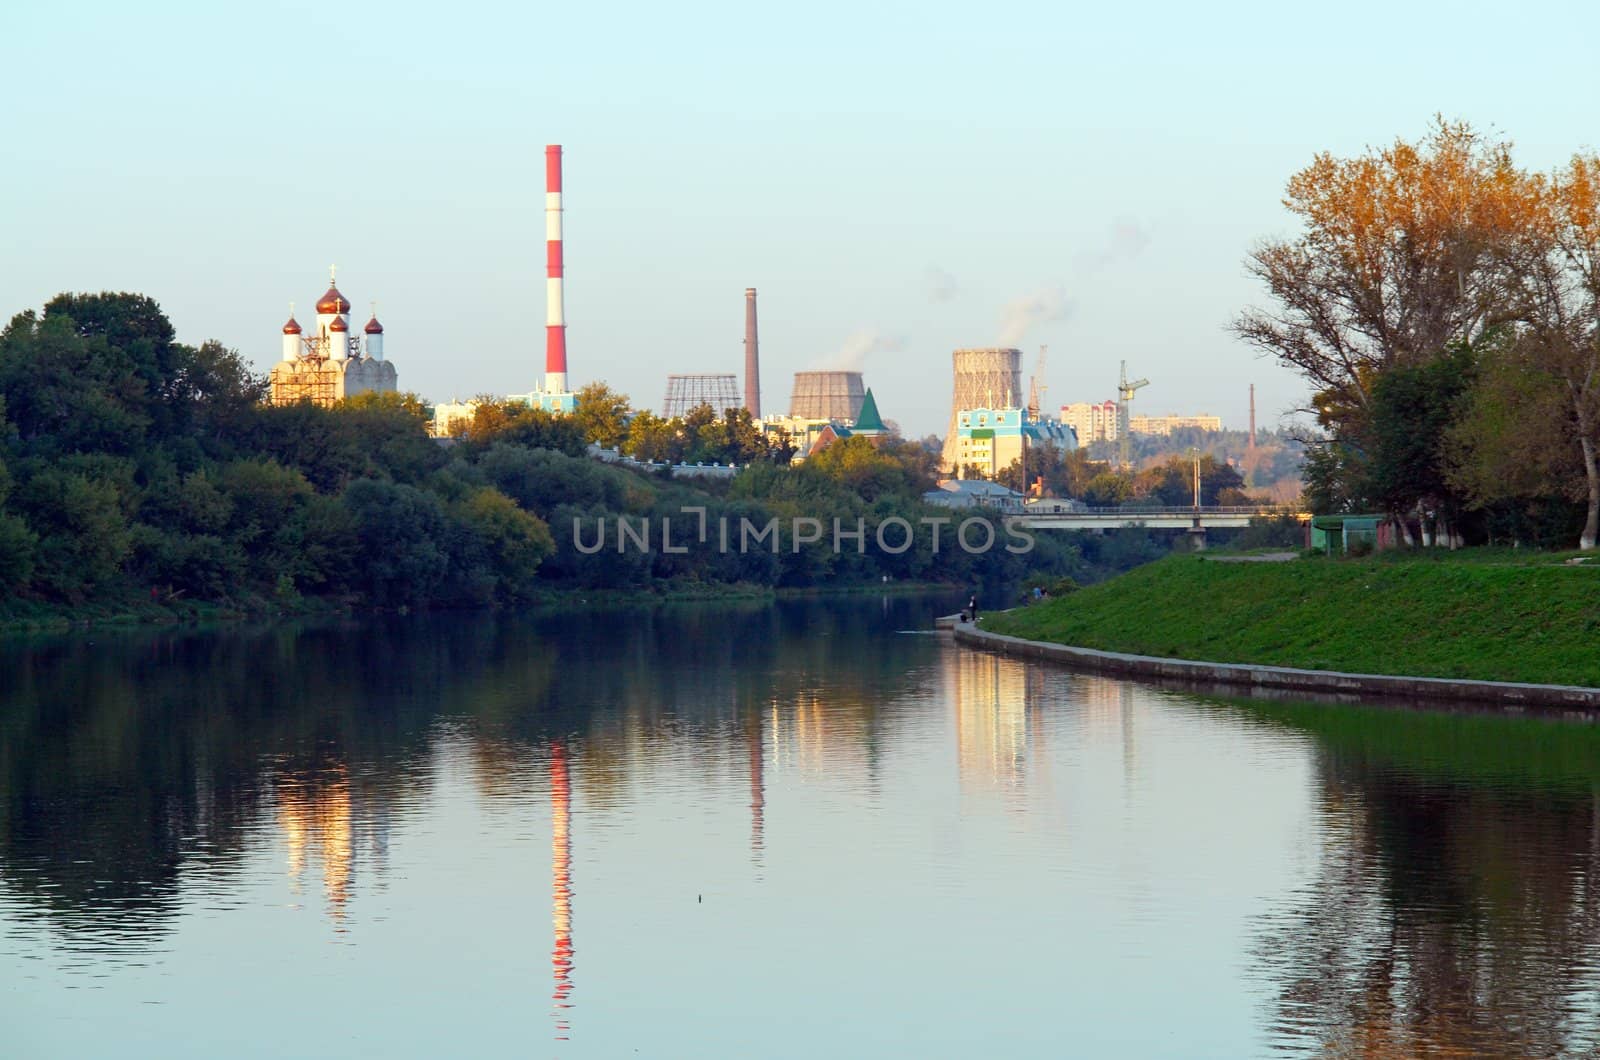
[(686, 392), (987, 378), (830, 395)]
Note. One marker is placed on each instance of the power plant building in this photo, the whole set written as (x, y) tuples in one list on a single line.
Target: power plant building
[(332, 363), (989, 440), (985, 378)]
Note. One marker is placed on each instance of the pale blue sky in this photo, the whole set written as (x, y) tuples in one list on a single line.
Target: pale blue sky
[(849, 160)]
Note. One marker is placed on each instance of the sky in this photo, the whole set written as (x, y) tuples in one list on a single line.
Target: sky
[(897, 180)]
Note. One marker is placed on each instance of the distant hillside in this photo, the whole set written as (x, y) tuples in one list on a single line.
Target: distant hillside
[(1273, 467)]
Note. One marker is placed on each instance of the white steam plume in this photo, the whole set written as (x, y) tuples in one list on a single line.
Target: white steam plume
[(1021, 315), (1127, 239), (940, 285), (852, 354)]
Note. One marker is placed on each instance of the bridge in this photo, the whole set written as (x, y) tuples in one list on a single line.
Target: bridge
[(1049, 515)]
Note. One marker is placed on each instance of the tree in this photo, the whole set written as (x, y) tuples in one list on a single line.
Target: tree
[(60, 395), (859, 465), (1559, 303), (515, 541), (656, 440), (602, 415), (83, 530), (1413, 410), (403, 533), (733, 439), (1397, 260), (494, 420), (1108, 489), (1172, 483)]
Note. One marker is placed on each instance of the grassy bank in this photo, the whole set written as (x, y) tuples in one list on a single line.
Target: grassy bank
[(1489, 616)]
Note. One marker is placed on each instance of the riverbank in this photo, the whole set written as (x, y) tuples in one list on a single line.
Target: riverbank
[(1478, 616), (30, 616)]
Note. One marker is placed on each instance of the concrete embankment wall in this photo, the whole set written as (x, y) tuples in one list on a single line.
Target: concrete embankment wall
[(1280, 679)]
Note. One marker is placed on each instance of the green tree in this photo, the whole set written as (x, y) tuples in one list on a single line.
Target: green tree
[(1108, 489), (656, 440), (602, 415), (1413, 410), (82, 528), (18, 544), (60, 396), (403, 533), (515, 541), (510, 421)]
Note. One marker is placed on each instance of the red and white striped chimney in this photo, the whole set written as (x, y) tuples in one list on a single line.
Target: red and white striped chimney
[(555, 336)]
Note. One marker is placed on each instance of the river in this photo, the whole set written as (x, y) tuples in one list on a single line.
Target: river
[(797, 829)]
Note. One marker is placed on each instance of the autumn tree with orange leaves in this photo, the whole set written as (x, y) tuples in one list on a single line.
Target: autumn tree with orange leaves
[(1412, 250)]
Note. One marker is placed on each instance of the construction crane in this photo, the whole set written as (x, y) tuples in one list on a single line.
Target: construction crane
[(1036, 387), (1125, 391)]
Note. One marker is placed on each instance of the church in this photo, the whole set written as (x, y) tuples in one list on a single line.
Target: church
[(332, 363)]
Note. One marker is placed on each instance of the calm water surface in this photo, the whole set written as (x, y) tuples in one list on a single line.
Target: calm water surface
[(756, 830)]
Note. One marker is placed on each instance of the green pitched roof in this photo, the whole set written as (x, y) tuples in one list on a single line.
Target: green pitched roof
[(868, 419)]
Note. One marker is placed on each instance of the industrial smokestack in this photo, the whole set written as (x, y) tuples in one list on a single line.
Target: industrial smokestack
[(555, 334), (752, 356), (1252, 442)]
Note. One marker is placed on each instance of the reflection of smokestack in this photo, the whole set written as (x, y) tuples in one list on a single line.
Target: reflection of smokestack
[(555, 337), (561, 884), (758, 789), (752, 356)]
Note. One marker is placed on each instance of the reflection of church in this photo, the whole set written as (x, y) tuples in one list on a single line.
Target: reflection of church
[(317, 819)]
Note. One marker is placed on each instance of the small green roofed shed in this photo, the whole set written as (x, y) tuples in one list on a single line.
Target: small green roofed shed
[(867, 420)]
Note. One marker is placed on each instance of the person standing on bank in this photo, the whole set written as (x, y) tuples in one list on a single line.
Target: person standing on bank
[(972, 607)]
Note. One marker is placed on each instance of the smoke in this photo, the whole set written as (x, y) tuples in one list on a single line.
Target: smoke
[(852, 354), (1022, 315), (1127, 239), (940, 285)]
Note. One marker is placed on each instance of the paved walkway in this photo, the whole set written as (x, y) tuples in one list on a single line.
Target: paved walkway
[(1260, 557), (1509, 695)]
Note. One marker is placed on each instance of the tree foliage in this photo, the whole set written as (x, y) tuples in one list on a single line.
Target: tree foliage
[(132, 465), (1444, 304)]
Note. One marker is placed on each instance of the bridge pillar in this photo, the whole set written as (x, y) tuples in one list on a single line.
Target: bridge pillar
[(1197, 537)]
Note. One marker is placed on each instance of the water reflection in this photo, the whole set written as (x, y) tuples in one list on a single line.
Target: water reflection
[(758, 785), (1346, 882), (990, 696), (1455, 909), (561, 956), (314, 812)]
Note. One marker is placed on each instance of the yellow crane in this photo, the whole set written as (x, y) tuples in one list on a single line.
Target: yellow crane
[(1036, 387), (1125, 391)]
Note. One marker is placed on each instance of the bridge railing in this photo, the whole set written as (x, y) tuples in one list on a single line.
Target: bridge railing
[(1140, 511)]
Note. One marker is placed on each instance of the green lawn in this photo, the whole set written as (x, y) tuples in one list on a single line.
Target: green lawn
[(1496, 616)]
